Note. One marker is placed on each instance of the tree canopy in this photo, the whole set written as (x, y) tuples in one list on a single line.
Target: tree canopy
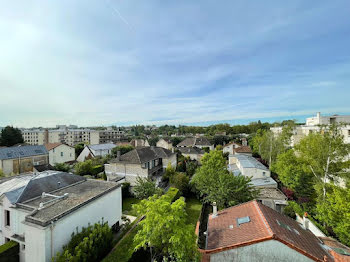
[(165, 230), (215, 184), (145, 188), (10, 136), (123, 149)]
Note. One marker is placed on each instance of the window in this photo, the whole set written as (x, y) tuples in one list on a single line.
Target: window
[(61, 153), (242, 220), (7, 218), (264, 173), (23, 247)]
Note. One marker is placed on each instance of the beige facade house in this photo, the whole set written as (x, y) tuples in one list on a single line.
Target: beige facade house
[(194, 153), (165, 143), (254, 232), (21, 159), (139, 142), (60, 153), (145, 162)]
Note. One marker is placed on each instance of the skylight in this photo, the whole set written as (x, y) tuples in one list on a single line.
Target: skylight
[(242, 220)]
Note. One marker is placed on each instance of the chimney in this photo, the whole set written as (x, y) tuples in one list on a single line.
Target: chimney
[(173, 150), (215, 210), (118, 155), (244, 142), (305, 221), (152, 147), (46, 136)]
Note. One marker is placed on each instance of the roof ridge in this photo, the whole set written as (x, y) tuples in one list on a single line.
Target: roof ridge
[(137, 154), (263, 218)]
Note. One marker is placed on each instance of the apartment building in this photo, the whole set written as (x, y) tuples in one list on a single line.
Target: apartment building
[(41, 211), (71, 136), (313, 125)]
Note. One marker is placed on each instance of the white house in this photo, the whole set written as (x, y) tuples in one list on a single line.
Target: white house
[(60, 153), (270, 195), (165, 143), (146, 162), (248, 166), (254, 232), (41, 211), (228, 148), (91, 151)]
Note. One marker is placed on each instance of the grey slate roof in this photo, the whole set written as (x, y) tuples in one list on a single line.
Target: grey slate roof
[(142, 155), (21, 152), (195, 141), (191, 150), (107, 146)]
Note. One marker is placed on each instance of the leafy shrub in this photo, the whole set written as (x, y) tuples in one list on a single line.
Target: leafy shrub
[(91, 244), (61, 167), (97, 169), (83, 168), (145, 188), (172, 194), (180, 181)]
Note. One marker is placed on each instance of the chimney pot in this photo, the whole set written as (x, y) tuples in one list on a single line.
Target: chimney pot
[(215, 210), (118, 155), (305, 221)]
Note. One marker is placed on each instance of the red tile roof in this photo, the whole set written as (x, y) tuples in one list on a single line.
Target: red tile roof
[(265, 224), (242, 149), (50, 146)]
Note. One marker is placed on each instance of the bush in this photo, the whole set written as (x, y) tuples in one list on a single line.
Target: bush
[(145, 188), (180, 181), (83, 168), (289, 211), (61, 167), (95, 170), (172, 194), (91, 244), (122, 149)]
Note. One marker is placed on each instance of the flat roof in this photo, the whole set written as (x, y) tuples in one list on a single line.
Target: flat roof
[(78, 195), (249, 162)]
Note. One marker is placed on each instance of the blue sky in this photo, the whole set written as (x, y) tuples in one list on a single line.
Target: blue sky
[(178, 62)]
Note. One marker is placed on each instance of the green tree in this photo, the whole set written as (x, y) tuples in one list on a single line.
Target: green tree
[(269, 145), (335, 212), (165, 230), (293, 175), (123, 149), (10, 136), (181, 182), (145, 188), (79, 148), (324, 153), (215, 184), (169, 172), (2, 174)]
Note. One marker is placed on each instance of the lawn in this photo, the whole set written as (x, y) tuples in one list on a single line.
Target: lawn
[(193, 209), (123, 252), (127, 206)]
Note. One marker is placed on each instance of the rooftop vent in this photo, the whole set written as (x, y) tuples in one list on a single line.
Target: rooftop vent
[(242, 220)]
